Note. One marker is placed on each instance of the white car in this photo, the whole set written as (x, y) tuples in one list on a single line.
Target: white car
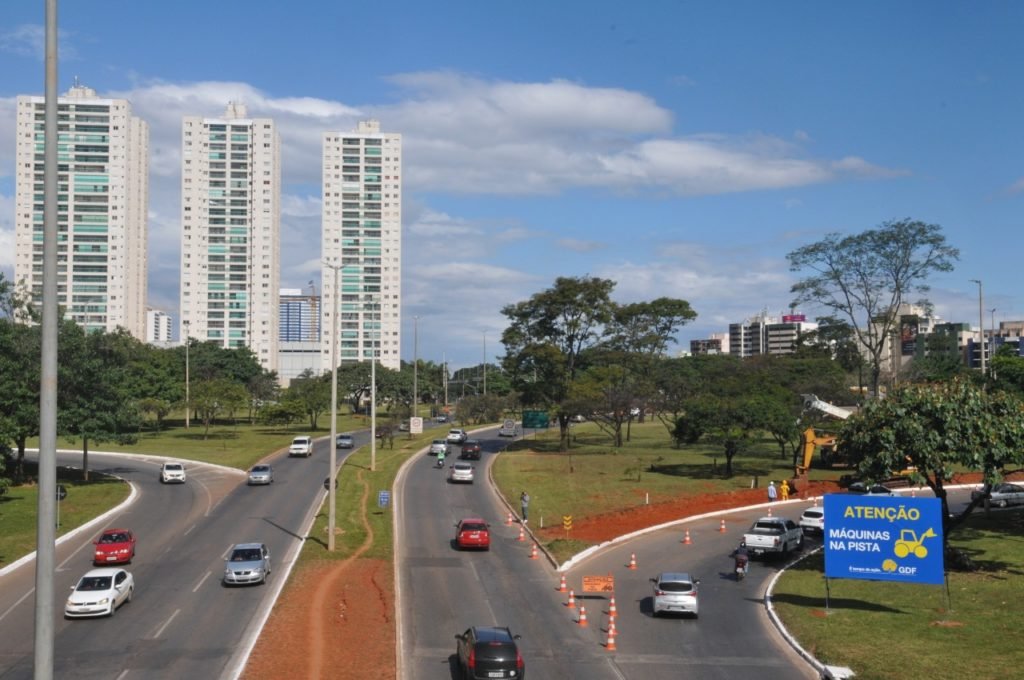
[(439, 447), (675, 592), (99, 593), (456, 436), (247, 563), (261, 474), (460, 472), (301, 446), (813, 520), (172, 472)]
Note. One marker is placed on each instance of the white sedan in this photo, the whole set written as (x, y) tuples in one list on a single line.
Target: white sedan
[(99, 593)]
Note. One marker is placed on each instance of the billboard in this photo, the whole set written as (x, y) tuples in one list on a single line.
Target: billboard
[(884, 538), (908, 335), (793, 318)]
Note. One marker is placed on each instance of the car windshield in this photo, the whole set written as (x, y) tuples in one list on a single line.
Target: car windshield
[(246, 555), (94, 583), (172, 467), (261, 468)]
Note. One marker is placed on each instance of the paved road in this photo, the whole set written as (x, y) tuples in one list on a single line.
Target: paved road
[(182, 622)]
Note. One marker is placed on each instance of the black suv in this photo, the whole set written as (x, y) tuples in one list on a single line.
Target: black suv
[(470, 450), (485, 652)]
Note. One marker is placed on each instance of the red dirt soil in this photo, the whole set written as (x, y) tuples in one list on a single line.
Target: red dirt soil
[(336, 619)]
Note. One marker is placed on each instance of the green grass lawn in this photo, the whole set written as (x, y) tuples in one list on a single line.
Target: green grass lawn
[(889, 631), (85, 500)]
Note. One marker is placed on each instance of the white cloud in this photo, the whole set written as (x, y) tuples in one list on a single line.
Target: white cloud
[(1016, 187), (29, 40)]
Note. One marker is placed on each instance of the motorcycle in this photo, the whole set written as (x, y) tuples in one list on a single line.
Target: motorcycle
[(440, 462), (742, 565)]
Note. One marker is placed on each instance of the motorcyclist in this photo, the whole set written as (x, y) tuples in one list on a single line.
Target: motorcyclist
[(742, 557), (440, 459)]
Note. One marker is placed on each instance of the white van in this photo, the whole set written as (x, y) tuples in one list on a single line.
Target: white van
[(301, 446), (509, 428)]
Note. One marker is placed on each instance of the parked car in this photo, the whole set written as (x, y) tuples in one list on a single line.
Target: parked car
[(172, 473), (438, 446), (864, 489), (247, 563), (261, 474), (813, 520), (1002, 494), (460, 472), (675, 591), (473, 532), (486, 652), (456, 436), (99, 593), (301, 446), (114, 546), (344, 441), (470, 450)]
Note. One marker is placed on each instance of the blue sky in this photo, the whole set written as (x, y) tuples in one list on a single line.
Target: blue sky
[(679, 148)]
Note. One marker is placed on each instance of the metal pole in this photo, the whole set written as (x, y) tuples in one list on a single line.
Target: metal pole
[(373, 396), (188, 404), (46, 529), (415, 368), (335, 313), (444, 379), (485, 363), (981, 324)]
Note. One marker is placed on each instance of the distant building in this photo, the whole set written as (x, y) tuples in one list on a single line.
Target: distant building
[(299, 316), (158, 326), (707, 346), (764, 334), (230, 232), (103, 185), (362, 236)]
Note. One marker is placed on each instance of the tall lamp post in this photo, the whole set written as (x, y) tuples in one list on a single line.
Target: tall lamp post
[(485, 363), (981, 324), (373, 392), (188, 404), (415, 368), (335, 307)]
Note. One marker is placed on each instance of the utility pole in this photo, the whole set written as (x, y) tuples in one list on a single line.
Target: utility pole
[(335, 313), (188, 404), (485, 363), (981, 324), (373, 390), (415, 368)]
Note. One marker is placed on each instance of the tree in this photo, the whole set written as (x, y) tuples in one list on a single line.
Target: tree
[(1008, 370), (935, 428), (731, 421), (20, 352), (546, 337), (311, 393), (864, 278), (158, 407), (212, 397)]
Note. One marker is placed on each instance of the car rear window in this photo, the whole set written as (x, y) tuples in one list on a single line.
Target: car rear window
[(675, 586), (767, 528), (474, 526)]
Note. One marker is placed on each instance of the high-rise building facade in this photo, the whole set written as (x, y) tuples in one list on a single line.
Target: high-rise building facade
[(158, 326), (230, 231), (102, 204), (362, 238), (299, 316)]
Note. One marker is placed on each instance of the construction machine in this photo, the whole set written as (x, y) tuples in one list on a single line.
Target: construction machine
[(811, 440)]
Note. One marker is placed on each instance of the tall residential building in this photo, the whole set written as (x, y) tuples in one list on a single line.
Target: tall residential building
[(362, 237), (299, 315), (102, 203), (158, 326), (763, 334), (230, 232)]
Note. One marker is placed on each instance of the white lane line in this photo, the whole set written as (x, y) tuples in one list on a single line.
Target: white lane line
[(188, 530), (209, 498), (161, 629), (202, 580), (123, 673), (11, 608)]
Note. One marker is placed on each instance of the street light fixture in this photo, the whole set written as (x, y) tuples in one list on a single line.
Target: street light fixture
[(981, 324), (335, 307)]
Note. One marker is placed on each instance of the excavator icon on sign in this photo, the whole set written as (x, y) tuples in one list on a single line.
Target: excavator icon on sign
[(910, 542)]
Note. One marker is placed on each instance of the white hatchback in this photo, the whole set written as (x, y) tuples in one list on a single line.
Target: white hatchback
[(172, 472), (460, 472), (99, 593), (813, 520), (674, 592)]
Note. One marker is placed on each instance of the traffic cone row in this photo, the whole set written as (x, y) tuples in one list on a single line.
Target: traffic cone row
[(533, 552), (522, 534), (561, 585), (721, 527), (611, 608), (632, 560), (686, 538)]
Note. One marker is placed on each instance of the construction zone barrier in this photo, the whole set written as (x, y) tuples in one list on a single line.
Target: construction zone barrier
[(533, 552), (610, 641), (572, 600), (561, 585), (632, 560), (522, 534), (686, 538), (721, 526), (583, 617), (508, 520), (611, 608)]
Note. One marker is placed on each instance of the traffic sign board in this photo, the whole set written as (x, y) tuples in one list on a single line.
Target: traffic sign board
[(383, 498), (599, 584), (535, 419)]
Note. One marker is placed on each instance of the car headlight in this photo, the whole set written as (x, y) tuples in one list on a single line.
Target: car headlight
[(104, 601)]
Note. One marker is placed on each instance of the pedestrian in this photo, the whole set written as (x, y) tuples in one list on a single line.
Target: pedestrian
[(524, 503), (773, 493), (784, 490)]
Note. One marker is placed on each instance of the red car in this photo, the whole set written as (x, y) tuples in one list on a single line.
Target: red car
[(473, 532), (114, 546)]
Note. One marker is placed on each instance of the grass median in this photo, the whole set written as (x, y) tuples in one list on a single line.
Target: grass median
[(889, 631)]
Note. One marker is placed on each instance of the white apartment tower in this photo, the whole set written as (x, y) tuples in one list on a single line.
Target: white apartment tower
[(230, 232), (362, 234), (103, 197), (158, 326)]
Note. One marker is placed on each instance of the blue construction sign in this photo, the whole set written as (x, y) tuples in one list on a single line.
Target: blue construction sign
[(383, 498), (884, 538)]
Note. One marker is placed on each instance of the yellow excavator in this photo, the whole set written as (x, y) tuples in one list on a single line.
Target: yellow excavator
[(811, 441)]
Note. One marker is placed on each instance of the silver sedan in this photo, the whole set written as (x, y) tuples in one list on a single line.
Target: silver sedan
[(261, 474)]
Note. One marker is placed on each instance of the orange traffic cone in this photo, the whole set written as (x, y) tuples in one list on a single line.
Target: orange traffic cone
[(572, 600), (686, 538), (632, 560), (508, 520), (522, 534), (913, 493), (561, 585), (769, 511), (721, 527), (533, 553), (611, 608), (612, 630), (610, 644), (583, 617)]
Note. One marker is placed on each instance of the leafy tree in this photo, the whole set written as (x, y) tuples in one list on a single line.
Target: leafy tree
[(546, 337), (1008, 370), (158, 407), (20, 351), (864, 278), (935, 428), (210, 398), (311, 393), (605, 393), (263, 389), (731, 421), (281, 413)]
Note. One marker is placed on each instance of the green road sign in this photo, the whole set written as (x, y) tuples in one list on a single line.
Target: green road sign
[(535, 419)]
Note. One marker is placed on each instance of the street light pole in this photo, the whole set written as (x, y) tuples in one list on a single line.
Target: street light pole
[(485, 363), (335, 313), (415, 368), (188, 406), (373, 393), (981, 324)]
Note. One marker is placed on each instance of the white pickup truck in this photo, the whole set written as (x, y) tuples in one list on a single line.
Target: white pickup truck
[(773, 535), (301, 446)]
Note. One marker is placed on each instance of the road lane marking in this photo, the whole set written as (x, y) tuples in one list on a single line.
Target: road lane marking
[(202, 580), (123, 673), (160, 630), (11, 608), (189, 529)]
